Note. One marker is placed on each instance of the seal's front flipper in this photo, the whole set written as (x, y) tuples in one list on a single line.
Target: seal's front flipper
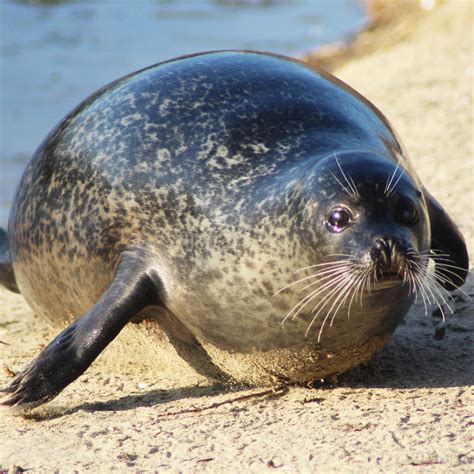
[(446, 239), (74, 349), (7, 277)]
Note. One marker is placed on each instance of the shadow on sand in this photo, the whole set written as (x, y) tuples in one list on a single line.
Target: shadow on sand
[(424, 352)]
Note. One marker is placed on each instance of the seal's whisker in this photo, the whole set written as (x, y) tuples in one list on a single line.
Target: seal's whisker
[(324, 302), (425, 287), (328, 272), (435, 251), (302, 303), (320, 279), (420, 264), (360, 287), (437, 278), (308, 299), (347, 191), (349, 256), (328, 285), (419, 290), (394, 186), (404, 280), (443, 278), (432, 252), (359, 282), (441, 257), (346, 249), (390, 179), (368, 281), (367, 275), (409, 278), (436, 282), (355, 286), (325, 275), (343, 294), (425, 291), (317, 291), (414, 268), (350, 182), (326, 264), (341, 297), (430, 285), (444, 261), (391, 186), (446, 267), (434, 291), (337, 295), (353, 190), (352, 186)]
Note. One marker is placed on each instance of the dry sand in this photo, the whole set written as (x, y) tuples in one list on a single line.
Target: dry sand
[(410, 410)]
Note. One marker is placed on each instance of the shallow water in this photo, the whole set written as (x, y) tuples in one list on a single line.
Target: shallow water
[(55, 53)]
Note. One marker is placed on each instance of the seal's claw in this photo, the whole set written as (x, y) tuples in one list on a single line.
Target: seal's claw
[(13, 385), (24, 400), (28, 389), (6, 389), (10, 401), (44, 377)]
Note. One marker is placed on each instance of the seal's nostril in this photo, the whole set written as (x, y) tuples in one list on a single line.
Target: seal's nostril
[(381, 252), (389, 254)]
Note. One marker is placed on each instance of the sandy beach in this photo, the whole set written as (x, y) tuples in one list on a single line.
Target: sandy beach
[(408, 410)]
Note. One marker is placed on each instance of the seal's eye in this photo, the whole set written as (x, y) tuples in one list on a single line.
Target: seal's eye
[(338, 219), (405, 212)]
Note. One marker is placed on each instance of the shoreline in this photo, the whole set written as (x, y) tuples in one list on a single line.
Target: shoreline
[(406, 411), (388, 23)]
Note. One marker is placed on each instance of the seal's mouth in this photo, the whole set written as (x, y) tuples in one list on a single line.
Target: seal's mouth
[(331, 288), (389, 279), (390, 261), (391, 275)]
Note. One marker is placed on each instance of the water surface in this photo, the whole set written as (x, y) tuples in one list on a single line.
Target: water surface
[(55, 53)]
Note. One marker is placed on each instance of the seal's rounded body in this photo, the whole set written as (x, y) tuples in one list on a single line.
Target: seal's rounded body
[(194, 191)]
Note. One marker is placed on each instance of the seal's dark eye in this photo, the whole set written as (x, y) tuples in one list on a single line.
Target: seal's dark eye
[(338, 219), (405, 212)]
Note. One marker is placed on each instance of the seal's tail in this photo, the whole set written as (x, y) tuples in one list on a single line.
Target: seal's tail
[(7, 277)]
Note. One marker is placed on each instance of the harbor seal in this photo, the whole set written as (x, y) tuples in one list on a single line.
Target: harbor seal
[(262, 213)]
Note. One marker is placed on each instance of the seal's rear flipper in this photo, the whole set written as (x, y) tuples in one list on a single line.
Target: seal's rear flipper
[(447, 240), (7, 277), (74, 349)]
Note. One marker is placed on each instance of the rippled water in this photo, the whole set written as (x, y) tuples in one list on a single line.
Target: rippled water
[(55, 53)]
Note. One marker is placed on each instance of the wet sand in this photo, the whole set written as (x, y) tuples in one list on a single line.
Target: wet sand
[(409, 410)]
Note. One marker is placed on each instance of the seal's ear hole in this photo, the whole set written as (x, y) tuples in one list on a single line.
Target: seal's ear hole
[(338, 219), (405, 211)]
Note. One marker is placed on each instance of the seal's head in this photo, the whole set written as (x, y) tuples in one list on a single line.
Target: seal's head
[(370, 234), (373, 212)]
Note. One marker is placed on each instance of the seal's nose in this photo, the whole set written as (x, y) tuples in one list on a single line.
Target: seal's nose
[(389, 254)]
